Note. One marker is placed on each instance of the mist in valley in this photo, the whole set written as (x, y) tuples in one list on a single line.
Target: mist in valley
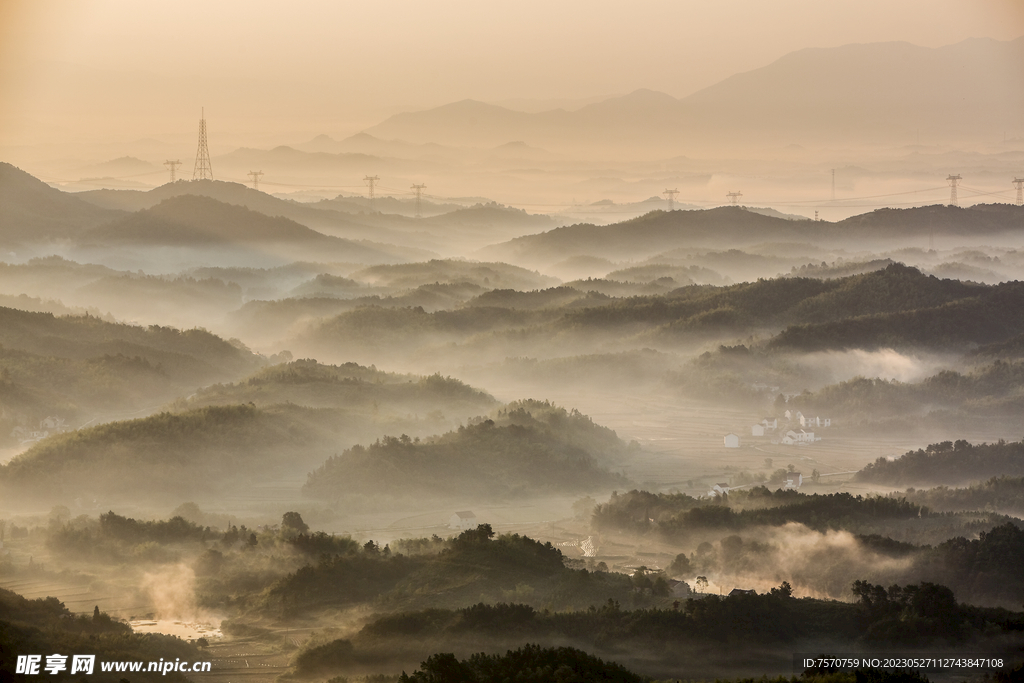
[(630, 367)]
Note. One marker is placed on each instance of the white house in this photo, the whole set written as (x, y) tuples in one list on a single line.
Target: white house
[(757, 430), (462, 521), (793, 480), (792, 437), (770, 423), (732, 441), (719, 489)]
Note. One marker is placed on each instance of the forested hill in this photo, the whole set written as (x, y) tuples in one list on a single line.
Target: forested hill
[(350, 386), (947, 463), (195, 353), (192, 220), (31, 210), (529, 448), (198, 454), (660, 231), (897, 306)]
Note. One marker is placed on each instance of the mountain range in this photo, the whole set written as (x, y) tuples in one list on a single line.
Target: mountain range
[(881, 92)]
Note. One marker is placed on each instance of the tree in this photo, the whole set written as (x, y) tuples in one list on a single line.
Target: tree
[(783, 591), (702, 583), (292, 523), (680, 566)]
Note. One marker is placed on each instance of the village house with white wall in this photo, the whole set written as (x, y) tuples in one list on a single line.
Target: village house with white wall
[(47, 426)]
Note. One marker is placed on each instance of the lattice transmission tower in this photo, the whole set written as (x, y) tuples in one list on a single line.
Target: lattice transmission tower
[(172, 165), (203, 169), (1019, 182), (671, 194), (953, 181), (733, 197), (371, 181), (255, 177), (419, 191)]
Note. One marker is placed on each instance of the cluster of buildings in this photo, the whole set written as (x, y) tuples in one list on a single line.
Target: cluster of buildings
[(47, 426), (795, 429)]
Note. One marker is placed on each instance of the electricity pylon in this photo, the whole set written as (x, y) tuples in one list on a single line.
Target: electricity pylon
[(203, 169), (172, 165), (953, 180), (671, 198), (255, 176), (419, 190)]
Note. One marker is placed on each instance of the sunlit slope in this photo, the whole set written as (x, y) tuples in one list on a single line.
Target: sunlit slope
[(32, 211), (728, 227), (527, 449)]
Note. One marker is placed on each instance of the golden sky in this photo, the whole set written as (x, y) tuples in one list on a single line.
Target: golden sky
[(91, 70)]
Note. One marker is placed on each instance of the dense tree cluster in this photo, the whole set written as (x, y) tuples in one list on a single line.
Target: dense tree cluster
[(947, 463)]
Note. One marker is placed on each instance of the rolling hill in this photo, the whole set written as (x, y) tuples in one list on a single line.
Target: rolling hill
[(31, 211), (197, 221)]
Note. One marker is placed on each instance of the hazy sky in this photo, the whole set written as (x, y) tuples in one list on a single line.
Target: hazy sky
[(73, 70)]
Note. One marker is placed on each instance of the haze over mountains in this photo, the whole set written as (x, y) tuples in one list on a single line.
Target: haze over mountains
[(889, 121), (879, 93), (647, 376)]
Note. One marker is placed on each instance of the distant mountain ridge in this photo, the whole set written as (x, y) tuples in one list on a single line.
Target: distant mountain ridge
[(660, 231), (875, 91)]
